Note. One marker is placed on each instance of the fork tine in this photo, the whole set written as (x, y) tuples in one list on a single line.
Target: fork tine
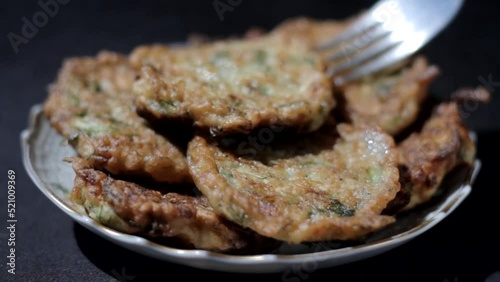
[(375, 35), (385, 60), (366, 55), (364, 24)]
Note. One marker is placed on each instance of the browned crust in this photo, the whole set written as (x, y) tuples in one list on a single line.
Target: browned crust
[(162, 93), (392, 102), (119, 141), (141, 211), (429, 155), (287, 217)]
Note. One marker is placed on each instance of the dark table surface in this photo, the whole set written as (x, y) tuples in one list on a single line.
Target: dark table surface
[(51, 247)]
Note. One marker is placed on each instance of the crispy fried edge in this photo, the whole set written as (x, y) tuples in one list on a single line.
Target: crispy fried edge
[(101, 160), (204, 170), (185, 218), (417, 78), (423, 176), (152, 82)]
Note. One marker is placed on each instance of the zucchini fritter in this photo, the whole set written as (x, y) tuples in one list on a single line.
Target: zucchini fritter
[(392, 102), (426, 157), (234, 86), (133, 209), (92, 106), (304, 192)]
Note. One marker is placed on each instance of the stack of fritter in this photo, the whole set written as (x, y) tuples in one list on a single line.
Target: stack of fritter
[(268, 160)]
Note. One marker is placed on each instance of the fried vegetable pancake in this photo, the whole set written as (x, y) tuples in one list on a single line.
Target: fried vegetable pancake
[(234, 86), (133, 209), (426, 157), (392, 102), (92, 106), (302, 192)]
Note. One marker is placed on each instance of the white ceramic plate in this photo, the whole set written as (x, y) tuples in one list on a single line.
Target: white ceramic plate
[(43, 151)]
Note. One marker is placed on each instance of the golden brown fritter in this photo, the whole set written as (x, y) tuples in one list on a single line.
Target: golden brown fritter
[(392, 102), (234, 86), (92, 106), (304, 192), (426, 157), (133, 209)]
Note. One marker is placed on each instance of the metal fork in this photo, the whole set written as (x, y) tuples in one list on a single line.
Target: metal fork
[(389, 32)]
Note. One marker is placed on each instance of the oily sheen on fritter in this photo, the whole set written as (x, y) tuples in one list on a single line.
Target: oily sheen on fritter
[(303, 193), (234, 86), (92, 106), (133, 209), (427, 156)]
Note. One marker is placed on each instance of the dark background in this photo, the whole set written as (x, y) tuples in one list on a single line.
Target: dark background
[(51, 247)]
